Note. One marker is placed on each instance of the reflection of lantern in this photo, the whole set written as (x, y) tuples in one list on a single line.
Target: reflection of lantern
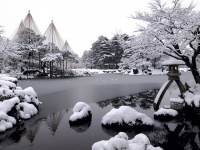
[(173, 75)]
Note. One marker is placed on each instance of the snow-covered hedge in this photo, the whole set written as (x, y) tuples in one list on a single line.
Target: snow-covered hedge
[(81, 111), (126, 116), (18, 103), (122, 142)]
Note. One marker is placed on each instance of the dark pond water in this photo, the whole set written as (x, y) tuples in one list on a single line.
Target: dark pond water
[(50, 129)]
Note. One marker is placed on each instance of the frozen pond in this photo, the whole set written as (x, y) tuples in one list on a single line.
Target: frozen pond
[(50, 129)]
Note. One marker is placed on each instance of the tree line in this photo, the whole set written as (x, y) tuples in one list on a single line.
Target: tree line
[(168, 30)]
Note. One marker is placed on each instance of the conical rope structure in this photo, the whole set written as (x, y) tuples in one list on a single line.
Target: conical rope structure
[(30, 23), (66, 47), (52, 36), (21, 26)]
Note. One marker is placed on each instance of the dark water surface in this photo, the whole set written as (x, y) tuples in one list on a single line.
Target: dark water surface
[(50, 129)]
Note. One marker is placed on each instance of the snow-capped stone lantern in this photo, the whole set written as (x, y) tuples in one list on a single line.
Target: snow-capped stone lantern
[(173, 75)]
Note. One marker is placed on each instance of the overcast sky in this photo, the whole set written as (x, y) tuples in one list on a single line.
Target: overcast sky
[(80, 22)]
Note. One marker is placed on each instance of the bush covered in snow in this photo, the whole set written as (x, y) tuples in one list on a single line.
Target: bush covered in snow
[(121, 142), (81, 112), (126, 116), (15, 103)]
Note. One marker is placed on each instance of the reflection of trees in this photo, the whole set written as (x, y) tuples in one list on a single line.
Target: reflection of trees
[(54, 121), (143, 99), (31, 133), (184, 136)]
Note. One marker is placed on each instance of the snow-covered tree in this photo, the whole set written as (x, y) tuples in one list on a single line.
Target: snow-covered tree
[(102, 54), (10, 53), (117, 47), (171, 29), (87, 59)]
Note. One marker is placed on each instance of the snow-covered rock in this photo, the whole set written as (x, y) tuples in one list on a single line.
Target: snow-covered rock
[(80, 111), (166, 112), (126, 116), (121, 142), (26, 110)]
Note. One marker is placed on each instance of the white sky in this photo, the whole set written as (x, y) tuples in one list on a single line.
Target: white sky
[(80, 22)]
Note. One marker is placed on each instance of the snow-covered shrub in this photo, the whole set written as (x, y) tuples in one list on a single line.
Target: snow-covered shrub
[(192, 95), (12, 105), (81, 111), (6, 122), (11, 79), (9, 84), (20, 94), (6, 94), (126, 116), (121, 142), (31, 96), (26, 110)]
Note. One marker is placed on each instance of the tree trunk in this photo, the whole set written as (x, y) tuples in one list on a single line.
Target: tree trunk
[(196, 76)]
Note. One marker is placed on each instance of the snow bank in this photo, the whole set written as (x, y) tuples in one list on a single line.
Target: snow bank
[(81, 110), (126, 115), (121, 142), (26, 110), (164, 112)]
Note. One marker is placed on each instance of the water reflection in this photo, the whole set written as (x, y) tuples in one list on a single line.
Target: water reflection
[(31, 133), (54, 120), (81, 127)]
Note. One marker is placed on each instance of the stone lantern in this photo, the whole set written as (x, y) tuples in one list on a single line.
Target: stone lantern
[(173, 75)]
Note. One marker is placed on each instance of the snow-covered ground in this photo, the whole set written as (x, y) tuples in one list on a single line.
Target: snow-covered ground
[(20, 104)]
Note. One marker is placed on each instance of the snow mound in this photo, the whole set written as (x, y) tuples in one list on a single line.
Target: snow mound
[(80, 111), (6, 122), (12, 99), (7, 105), (121, 142), (26, 110), (31, 96), (166, 112), (126, 116), (9, 84), (11, 79)]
